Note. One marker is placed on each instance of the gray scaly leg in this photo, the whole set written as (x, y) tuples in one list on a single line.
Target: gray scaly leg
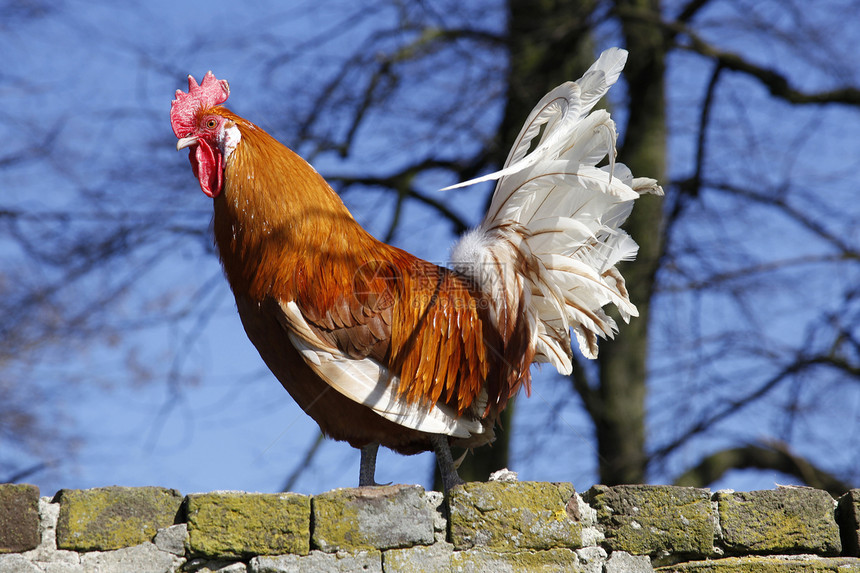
[(450, 478), (367, 472)]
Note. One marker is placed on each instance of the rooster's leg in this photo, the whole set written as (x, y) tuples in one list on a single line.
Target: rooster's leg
[(367, 472), (450, 478)]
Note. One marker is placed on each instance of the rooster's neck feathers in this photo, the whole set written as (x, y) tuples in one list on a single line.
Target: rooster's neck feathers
[(276, 214)]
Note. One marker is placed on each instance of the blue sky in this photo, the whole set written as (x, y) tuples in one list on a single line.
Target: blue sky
[(188, 404)]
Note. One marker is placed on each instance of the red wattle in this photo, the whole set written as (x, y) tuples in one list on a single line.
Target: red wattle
[(208, 168)]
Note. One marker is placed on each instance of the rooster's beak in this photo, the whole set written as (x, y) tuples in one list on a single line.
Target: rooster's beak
[(186, 142)]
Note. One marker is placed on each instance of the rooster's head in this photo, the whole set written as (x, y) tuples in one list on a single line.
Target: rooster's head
[(198, 125)]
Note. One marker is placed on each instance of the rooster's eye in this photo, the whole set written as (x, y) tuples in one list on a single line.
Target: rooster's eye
[(211, 123)]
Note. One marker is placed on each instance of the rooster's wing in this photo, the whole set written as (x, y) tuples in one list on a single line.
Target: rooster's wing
[(403, 337)]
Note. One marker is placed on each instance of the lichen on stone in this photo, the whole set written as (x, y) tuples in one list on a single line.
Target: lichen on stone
[(785, 520), (514, 516), (108, 518), (236, 524), (382, 517), (655, 520)]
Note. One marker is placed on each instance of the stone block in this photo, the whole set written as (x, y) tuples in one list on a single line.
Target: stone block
[(848, 515), (109, 518), (593, 559), (485, 560), (17, 564), (214, 566), (19, 518), (383, 517), (785, 520), (621, 562), (320, 562), (143, 558), (655, 520), (434, 558), (514, 516), (436, 499), (768, 564), (172, 539), (237, 524)]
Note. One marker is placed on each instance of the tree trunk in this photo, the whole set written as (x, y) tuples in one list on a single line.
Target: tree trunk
[(619, 405)]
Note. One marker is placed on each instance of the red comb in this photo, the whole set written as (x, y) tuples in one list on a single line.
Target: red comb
[(183, 110)]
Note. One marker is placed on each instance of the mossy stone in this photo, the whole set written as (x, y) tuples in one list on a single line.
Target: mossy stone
[(383, 517), (785, 520), (655, 520), (237, 524), (107, 518), (511, 516), (19, 517), (772, 564)]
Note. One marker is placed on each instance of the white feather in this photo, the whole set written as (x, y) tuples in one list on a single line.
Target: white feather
[(367, 382), (602, 74), (552, 230)]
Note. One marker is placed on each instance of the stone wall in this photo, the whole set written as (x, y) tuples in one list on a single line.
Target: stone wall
[(493, 527)]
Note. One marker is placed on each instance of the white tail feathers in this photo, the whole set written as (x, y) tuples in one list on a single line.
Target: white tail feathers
[(551, 235)]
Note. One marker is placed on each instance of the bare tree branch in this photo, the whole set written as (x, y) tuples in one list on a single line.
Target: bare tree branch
[(776, 83), (805, 219), (689, 12), (766, 456), (732, 407), (747, 272), (25, 473), (401, 182), (689, 188)]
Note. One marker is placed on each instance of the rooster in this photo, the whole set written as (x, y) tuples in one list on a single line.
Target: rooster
[(380, 347)]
